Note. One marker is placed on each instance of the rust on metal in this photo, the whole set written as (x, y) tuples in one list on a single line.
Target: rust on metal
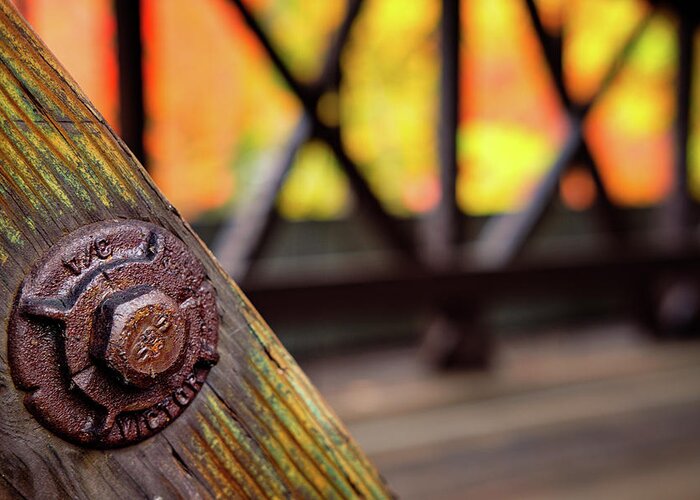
[(113, 333), (140, 335)]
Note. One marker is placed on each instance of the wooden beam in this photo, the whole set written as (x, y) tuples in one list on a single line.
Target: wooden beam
[(258, 428)]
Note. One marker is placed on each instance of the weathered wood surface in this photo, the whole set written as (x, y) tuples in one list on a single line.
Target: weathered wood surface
[(257, 429)]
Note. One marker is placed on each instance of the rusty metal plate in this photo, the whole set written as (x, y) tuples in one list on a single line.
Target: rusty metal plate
[(113, 333)]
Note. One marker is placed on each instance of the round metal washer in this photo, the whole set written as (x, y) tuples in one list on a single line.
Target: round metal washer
[(113, 333)]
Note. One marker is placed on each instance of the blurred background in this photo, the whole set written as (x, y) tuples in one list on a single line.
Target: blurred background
[(474, 223)]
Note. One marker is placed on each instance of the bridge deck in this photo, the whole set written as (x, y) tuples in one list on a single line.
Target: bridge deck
[(599, 412)]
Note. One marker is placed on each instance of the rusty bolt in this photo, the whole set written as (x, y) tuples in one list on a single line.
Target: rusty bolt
[(113, 333), (140, 335)]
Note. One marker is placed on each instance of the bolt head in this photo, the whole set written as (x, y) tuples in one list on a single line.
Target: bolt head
[(140, 335)]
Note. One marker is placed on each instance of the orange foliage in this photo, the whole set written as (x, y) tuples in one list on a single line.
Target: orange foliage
[(577, 189), (81, 33), (208, 90), (217, 109)]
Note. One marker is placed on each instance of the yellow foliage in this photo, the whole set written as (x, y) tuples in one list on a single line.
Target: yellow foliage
[(316, 187), (501, 163)]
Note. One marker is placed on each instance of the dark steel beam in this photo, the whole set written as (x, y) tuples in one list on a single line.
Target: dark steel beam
[(300, 90), (132, 114), (443, 226), (243, 237), (330, 73), (552, 48), (415, 290), (609, 215), (505, 236), (368, 203), (616, 65), (680, 203), (309, 95)]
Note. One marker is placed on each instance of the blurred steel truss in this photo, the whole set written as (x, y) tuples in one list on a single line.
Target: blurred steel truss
[(436, 271)]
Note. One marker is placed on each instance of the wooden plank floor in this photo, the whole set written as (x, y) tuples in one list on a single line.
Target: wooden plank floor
[(594, 412)]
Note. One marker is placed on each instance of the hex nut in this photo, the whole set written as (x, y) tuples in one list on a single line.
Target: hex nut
[(140, 335)]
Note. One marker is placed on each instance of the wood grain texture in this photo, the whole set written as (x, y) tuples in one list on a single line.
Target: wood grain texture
[(257, 429)]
